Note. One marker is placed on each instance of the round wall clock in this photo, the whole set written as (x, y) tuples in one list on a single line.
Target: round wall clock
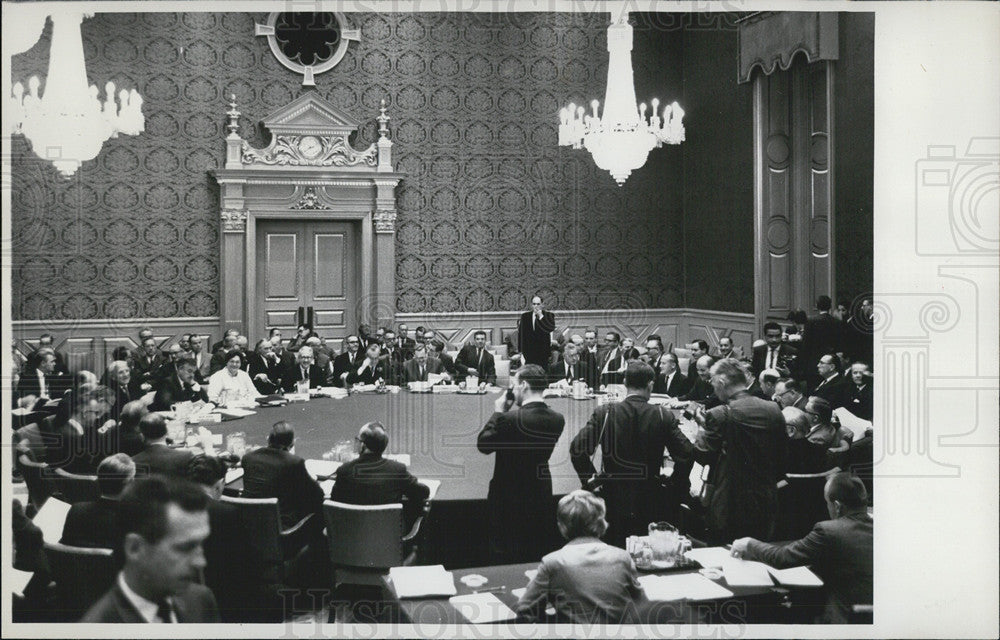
[(310, 147)]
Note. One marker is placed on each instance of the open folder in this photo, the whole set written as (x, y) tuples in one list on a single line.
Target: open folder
[(422, 582)]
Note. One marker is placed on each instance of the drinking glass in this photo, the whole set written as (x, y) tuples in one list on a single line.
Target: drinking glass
[(236, 443), (663, 540)]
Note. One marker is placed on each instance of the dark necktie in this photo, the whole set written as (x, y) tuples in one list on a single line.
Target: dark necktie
[(569, 374), (163, 611), (423, 376), (305, 374)]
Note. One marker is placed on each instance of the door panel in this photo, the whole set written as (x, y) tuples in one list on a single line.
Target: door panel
[(303, 264)]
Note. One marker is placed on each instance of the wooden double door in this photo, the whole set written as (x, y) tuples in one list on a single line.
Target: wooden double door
[(307, 271)]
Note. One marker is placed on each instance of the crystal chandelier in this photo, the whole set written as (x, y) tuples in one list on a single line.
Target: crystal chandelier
[(622, 137), (69, 124)]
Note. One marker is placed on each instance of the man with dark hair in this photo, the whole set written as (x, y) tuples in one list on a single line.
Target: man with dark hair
[(821, 429), (147, 363), (72, 440), (347, 361), (522, 434), (476, 360), (632, 435), (745, 441), (275, 472), (857, 396), (830, 385), (95, 524), (839, 550), (47, 341), (418, 368), (435, 349), (611, 360), (774, 354), (534, 333), (263, 368), (372, 479), (180, 387), (202, 361), (589, 355), (39, 380), (699, 348), (157, 457), (164, 523), (404, 342)]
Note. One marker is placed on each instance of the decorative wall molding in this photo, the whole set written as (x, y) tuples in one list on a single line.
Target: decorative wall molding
[(385, 221), (310, 200), (234, 220)]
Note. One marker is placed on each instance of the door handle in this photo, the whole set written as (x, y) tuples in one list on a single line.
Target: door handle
[(310, 317)]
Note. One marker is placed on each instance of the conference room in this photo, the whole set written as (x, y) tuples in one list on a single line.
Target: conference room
[(373, 305)]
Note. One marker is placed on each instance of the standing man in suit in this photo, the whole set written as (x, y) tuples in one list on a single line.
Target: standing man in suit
[(202, 361), (522, 435), (858, 330), (534, 333), (404, 342), (164, 523), (570, 369), (180, 387), (420, 365), (774, 354), (822, 335), (275, 472), (699, 348), (840, 550), (633, 435), (146, 364), (476, 360), (304, 369), (157, 457), (611, 361), (347, 361), (95, 524)]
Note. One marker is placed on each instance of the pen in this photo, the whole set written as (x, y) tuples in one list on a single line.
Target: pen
[(491, 589)]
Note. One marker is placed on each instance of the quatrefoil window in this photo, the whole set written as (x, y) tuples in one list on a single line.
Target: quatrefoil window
[(308, 43)]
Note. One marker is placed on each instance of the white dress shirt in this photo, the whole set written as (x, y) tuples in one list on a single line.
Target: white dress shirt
[(146, 608)]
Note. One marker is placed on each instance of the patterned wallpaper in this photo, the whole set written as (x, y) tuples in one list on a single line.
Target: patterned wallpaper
[(490, 210)]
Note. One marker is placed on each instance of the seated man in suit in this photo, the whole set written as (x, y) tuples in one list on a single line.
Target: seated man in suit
[(802, 454), (347, 361), (233, 569), (164, 523), (570, 369), (146, 364), (371, 369), (275, 472), (857, 396), (699, 348), (221, 344), (372, 479), (304, 369), (420, 365), (37, 384), (476, 360), (673, 382), (821, 429), (726, 349), (157, 457), (832, 385), (263, 368), (839, 550), (95, 524), (322, 354), (218, 362), (180, 387), (124, 436), (773, 354), (764, 385), (701, 390), (71, 435), (611, 362), (202, 360), (46, 341), (169, 367), (435, 349), (789, 392)]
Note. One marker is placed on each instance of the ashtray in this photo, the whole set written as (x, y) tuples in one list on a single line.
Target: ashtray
[(474, 580)]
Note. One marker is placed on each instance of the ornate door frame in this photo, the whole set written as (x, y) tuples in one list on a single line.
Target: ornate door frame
[(309, 171)]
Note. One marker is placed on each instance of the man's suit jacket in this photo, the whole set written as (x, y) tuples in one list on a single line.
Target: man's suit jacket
[(370, 374), (68, 449), (678, 386), (92, 524), (486, 368), (610, 359), (839, 551), (218, 361), (161, 459), (258, 365), (534, 339), (785, 354), (274, 473), (372, 479), (411, 370), (859, 400), (406, 346), (171, 391), (832, 390), (144, 368), (196, 604), (520, 503), (581, 371), (28, 386), (700, 391), (591, 360), (204, 366), (858, 339), (804, 456), (823, 334), (632, 435), (291, 376), (345, 363)]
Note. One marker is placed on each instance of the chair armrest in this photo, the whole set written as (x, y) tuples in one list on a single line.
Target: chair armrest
[(415, 529), (295, 537), (297, 526), (782, 484)]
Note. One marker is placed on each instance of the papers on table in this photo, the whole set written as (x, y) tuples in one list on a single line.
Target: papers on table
[(317, 468), (234, 412), (746, 573), (445, 388), (659, 398), (51, 518), (517, 593), (852, 423), (482, 608), (682, 586), (234, 474), (709, 556), (433, 485), (434, 378), (796, 577), (419, 386), (19, 580), (421, 582), (297, 397)]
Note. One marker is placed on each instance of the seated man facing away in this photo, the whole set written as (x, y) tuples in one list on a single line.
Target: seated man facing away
[(839, 550), (95, 524), (587, 581), (275, 472), (164, 523), (372, 479), (157, 457), (802, 455)]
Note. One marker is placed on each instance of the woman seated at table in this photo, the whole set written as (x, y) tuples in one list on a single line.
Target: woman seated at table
[(231, 386), (586, 581)]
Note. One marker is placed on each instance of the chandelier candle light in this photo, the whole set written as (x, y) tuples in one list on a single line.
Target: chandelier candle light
[(69, 124), (621, 138)]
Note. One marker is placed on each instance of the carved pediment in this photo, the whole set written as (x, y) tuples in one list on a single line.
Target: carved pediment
[(309, 114)]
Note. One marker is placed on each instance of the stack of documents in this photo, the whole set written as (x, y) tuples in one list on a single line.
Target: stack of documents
[(682, 586), (482, 608), (422, 582), (796, 577), (746, 573), (709, 556)]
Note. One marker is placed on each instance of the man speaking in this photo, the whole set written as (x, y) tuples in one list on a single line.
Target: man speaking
[(534, 334)]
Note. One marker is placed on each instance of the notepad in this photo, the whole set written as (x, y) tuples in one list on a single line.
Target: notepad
[(709, 556), (51, 518), (682, 586), (482, 608), (796, 577), (422, 582), (234, 474), (746, 573)]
